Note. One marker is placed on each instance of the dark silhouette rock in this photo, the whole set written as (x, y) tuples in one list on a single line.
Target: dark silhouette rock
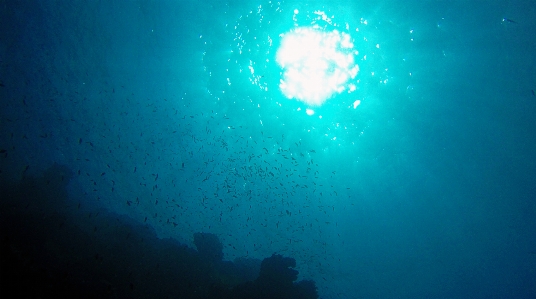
[(209, 246), (53, 245), (276, 281)]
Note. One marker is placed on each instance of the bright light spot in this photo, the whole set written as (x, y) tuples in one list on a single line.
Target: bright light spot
[(309, 111), (356, 103), (316, 64), (296, 11)]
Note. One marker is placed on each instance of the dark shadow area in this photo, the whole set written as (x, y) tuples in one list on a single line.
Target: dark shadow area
[(53, 247)]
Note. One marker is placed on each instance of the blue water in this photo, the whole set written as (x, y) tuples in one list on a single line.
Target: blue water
[(425, 190)]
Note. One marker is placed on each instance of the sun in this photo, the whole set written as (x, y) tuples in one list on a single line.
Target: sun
[(316, 64)]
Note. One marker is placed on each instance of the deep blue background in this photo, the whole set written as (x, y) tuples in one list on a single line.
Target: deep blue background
[(427, 191)]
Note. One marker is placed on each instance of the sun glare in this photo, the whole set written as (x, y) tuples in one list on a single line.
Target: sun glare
[(317, 64)]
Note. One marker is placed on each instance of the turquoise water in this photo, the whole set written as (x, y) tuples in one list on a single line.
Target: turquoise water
[(424, 190)]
